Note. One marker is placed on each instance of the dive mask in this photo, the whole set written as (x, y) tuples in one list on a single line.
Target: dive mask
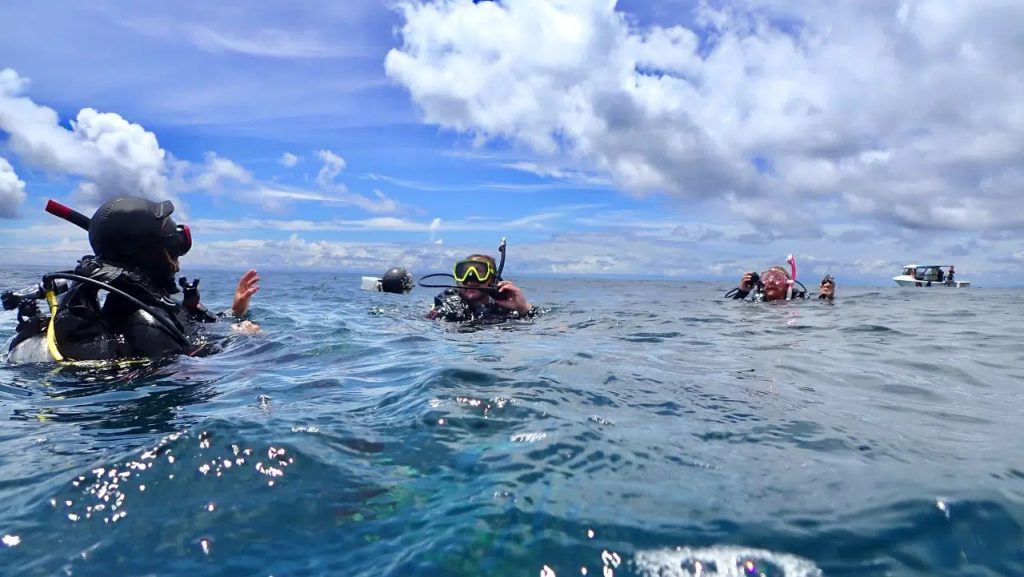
[(178, 240), (482, 271), (774, 278)]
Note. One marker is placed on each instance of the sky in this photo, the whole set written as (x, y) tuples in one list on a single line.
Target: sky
[(682, 139)]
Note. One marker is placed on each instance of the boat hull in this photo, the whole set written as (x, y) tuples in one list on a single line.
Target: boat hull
[(907, 281)]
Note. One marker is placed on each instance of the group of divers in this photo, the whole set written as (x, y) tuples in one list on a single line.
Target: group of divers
[(136, 246)]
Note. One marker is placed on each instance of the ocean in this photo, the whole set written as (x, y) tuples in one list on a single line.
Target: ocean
[(635, 428)]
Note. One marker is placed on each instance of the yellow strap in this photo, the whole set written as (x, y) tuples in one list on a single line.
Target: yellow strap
[(51, 338)]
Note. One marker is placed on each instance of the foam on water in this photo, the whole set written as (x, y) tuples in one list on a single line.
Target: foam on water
[(722, 561)]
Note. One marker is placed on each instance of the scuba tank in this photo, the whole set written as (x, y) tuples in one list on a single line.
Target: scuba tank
[(31, 341)]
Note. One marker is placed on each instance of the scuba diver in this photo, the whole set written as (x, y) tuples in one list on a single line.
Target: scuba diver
[(137, 246), (480, 295), (777, 283)]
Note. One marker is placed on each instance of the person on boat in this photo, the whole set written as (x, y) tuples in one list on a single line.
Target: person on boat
[(776, 284), (478, 297), (949, 277), (137, 246)]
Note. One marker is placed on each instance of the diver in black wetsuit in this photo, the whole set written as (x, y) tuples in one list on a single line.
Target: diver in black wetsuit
[(137, 246), (478, 298)]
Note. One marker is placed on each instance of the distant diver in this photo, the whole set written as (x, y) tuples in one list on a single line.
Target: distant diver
[(777, 284), (480, 295)]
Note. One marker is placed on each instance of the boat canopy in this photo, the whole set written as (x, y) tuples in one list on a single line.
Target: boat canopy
[(927, 272)]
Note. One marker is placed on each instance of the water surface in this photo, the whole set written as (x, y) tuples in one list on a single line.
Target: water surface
[(635, 428)]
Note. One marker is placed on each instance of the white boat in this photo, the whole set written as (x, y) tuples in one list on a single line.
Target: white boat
[(929, 275)]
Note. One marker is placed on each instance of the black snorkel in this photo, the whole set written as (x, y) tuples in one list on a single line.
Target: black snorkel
[(491, 289), (49, 288), (501, 262)]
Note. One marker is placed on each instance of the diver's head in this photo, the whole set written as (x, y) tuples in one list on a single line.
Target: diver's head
[(396, 280), (476, 270), (776, 283), (136, 232)]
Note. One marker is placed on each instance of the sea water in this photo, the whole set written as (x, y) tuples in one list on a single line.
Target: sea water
[(634, 428)]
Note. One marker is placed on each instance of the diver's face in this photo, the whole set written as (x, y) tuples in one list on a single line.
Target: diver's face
[(775, 285), (469, 291), (172, 262), (774, 293)]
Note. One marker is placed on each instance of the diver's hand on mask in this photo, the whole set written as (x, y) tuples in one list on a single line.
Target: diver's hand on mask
[(248, 285), (511, 297)]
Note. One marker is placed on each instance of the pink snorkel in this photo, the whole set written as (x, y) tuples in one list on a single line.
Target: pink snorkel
[(792, 276)]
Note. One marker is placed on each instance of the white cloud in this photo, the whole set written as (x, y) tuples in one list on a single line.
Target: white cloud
[(333, 165), (288, 159), (268, 42), (270, 196), (909, 113), (12, 190), (218, 170), (435, 227), (557, 172), (376, 224), (580, 181), (112, 156), (273, 196)]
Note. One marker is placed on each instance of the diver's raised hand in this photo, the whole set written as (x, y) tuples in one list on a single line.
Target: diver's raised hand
[(248, 285), (511, 297)]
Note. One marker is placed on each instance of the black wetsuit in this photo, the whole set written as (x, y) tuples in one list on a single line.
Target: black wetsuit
[(120, 329), (451, 307)]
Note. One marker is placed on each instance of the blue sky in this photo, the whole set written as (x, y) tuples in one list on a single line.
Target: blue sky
[(684, 139)]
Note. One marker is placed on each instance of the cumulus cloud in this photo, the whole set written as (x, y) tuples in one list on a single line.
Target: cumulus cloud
[(907, 112), (288, 159), (12, 190), (113, 156)]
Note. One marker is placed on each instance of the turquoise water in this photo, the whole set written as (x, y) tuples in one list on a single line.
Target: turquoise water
[(636, 428)]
